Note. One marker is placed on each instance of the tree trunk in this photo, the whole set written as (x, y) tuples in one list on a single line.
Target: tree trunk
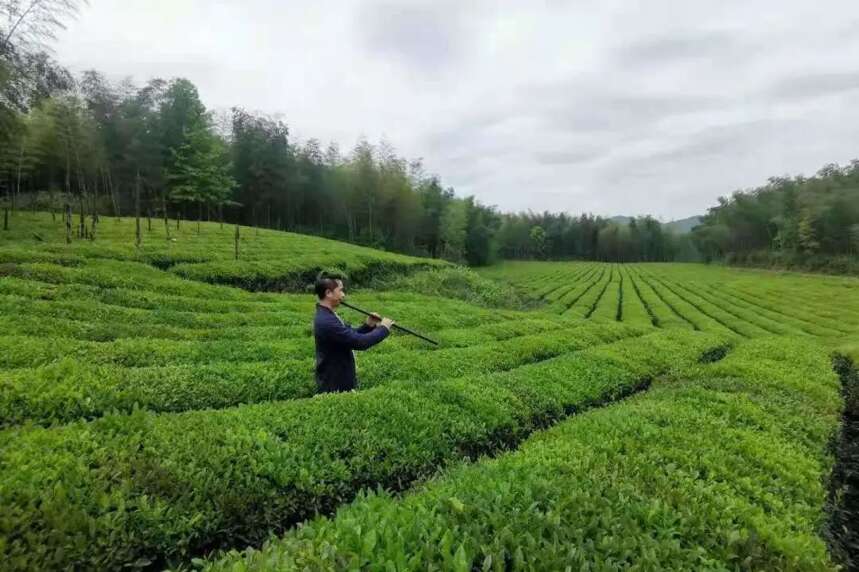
[(137, 238), (113, 194), (199, 215), (149, 219), (5, 218)]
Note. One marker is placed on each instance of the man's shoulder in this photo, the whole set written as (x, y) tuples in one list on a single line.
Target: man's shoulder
[(325, 316)]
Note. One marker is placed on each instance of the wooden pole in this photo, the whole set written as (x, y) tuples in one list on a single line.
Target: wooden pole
[(137, 238), (237, 241), (68, 222)]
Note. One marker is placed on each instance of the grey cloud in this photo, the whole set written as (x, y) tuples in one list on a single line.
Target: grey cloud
[(669, 49), (726, 140), (562, 157), (427, 37), (590, 109), (464, 130), (813, 85), (654, 108)]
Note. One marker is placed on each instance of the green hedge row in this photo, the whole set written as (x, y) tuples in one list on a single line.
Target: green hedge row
[(605, 308), (721, 469), (56, 311), (814, 326), (74, 388), (633, 308), (21, 351), (687, 311), (666, 315), (742, 311), (146, 490), (268, 259), (713, 313), (100, 331)]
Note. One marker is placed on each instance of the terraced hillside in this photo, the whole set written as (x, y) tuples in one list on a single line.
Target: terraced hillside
[(267, 259), (152, 413)]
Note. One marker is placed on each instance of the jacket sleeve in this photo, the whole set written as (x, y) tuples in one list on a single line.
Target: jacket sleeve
[(364, 328), (338, 333)]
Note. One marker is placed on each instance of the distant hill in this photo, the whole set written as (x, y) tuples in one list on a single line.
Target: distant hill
[(681, 226), (620, 219)]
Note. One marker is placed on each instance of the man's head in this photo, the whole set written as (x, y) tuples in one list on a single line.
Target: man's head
[(329, 289)]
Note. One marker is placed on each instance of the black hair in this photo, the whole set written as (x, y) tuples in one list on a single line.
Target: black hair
[(326, 281)]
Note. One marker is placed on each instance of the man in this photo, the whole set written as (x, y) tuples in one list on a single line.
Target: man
[(335, 362)]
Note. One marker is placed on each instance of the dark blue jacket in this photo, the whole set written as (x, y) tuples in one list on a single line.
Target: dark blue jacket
[(335, 363)]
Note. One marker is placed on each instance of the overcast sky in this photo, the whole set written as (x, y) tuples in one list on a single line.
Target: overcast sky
[(604, 106)]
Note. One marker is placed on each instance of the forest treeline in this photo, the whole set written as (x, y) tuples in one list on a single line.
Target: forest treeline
[(86, 143), (791, 222)]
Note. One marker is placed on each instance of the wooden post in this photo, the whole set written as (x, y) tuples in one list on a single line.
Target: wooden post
[(166, 218), (94, 213), (137, 239), (5, 218), (95, 201), (82, 224), (237, 241), (68, 223)]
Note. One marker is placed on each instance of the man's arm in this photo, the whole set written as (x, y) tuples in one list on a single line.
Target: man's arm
[(335, 331), (373, 321)]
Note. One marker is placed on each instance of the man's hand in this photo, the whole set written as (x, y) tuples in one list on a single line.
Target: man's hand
[(374, 320), (387, 323)]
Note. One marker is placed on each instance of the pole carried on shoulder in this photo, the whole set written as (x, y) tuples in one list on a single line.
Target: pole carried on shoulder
[(396, 326)]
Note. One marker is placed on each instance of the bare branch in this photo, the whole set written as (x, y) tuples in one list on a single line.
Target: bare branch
[(31, 24)]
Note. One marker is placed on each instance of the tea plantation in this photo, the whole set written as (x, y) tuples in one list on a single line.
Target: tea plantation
[(157, 410)]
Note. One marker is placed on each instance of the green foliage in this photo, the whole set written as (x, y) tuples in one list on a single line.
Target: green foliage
[(148, 418), (270, 260), (721, 468), (173, 376), (200, 172), (176, 485), (561, 236), (732, 303), (460, 283), (801, 223)]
